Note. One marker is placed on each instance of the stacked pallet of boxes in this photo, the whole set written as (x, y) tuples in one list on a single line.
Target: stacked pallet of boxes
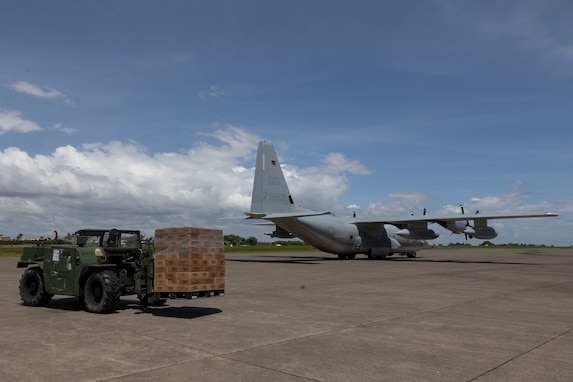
[(189, 260)]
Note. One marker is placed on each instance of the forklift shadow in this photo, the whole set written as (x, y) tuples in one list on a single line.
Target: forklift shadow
[(72, 304), (186, 312)]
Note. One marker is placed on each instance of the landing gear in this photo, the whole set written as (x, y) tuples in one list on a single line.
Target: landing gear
[(347, 257), (411, 255)]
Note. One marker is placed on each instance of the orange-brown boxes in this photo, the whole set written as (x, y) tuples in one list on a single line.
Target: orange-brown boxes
[(188, 260)]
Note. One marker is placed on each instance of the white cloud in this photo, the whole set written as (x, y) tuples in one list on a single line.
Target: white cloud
[(11, 120), (401, 204), (339, 162), (320, 187), (118, 184), (213, 92), (66, 130), (513, 202), (121, 184), (36, 91), (316, 187)]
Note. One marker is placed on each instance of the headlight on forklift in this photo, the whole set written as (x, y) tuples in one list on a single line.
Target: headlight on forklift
[(98, 252)]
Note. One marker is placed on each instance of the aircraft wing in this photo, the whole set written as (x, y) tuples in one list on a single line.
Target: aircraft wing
[(437, 219), (416, 227)]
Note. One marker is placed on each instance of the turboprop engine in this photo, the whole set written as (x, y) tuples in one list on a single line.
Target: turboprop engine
[(479, 229), (483, 233), (417, 233)]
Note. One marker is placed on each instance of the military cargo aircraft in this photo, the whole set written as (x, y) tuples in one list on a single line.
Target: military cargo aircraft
[(349, 236)]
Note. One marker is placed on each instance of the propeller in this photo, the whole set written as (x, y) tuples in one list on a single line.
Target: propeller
[(467, 221)]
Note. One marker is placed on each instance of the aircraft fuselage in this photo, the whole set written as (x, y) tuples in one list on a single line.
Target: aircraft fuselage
[(340, 236)]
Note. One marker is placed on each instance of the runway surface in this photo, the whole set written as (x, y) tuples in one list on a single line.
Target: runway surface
[(449, 315)]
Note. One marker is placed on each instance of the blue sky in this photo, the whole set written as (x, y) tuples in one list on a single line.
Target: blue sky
[(147, 114)]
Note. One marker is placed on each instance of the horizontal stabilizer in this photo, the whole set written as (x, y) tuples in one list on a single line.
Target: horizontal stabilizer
[(283, 215)]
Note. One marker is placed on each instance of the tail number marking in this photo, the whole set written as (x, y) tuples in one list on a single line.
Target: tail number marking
[(274, 196), (274, 181)]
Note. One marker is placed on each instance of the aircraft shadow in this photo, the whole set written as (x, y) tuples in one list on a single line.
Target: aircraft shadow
[(274, 259), (418, 260), (316, 260)]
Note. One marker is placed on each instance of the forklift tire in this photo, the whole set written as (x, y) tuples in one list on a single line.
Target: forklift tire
[(101, 292), (32, 289)]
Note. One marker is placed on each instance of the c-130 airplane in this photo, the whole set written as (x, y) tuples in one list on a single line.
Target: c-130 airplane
[(349, 236)]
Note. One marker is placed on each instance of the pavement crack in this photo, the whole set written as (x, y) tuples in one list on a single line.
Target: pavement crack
[(521, 354), (272, 369)]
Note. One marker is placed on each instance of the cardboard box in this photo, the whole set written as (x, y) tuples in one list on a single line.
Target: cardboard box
[(189, 259)]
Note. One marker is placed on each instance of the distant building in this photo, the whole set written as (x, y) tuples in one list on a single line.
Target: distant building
[(5, 238)]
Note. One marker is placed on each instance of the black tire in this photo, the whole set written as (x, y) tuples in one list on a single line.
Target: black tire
[(32, 289), (101, 292)]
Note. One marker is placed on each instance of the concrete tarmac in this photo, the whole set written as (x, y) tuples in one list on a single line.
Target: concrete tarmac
[(449, 315)]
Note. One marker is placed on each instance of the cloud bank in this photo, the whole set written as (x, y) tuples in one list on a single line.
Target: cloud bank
[(118, 184)]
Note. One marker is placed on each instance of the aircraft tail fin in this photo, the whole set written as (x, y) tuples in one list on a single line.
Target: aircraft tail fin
[(270, 190)]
